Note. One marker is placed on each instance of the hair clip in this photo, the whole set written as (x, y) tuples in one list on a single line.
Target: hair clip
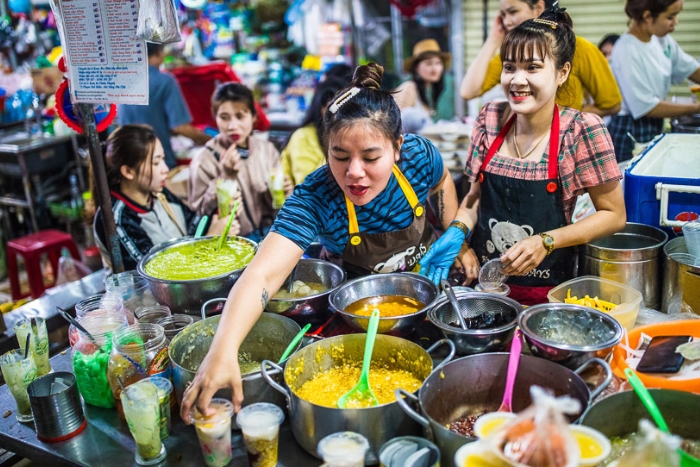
[(549, 23), (352, 92)]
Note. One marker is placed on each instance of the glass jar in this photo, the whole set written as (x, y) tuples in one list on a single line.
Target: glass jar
[(100, 303), (151, 314), (131, 288), (91, 357), (138, 351), (173, 324)]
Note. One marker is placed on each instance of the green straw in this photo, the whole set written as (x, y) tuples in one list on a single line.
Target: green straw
[(224, 234)]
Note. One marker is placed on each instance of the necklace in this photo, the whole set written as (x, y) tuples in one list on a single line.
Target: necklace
[(515, 142)]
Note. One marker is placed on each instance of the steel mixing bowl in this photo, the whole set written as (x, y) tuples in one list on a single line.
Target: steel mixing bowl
[(475, 305), (404, 284), (314, 308), (188, 296), (536, 321)]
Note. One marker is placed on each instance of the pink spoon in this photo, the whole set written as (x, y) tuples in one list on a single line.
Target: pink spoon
[(513, 362)]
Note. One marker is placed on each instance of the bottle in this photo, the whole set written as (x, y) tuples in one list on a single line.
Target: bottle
[(76, 198)]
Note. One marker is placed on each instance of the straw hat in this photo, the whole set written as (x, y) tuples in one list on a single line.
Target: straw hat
[(423, 48)]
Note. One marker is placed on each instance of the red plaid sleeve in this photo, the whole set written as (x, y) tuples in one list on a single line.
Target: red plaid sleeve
[(485, 131)]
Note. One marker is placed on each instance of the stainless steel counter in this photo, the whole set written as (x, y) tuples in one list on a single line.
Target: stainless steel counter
[(106, 442)]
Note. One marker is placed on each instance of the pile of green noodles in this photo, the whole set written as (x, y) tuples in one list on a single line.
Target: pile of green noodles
[(200, 260)]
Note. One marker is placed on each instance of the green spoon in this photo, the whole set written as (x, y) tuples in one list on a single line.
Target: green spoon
[(294, 343), (200, 227), (224, 234), (361, 391), (686, 459)]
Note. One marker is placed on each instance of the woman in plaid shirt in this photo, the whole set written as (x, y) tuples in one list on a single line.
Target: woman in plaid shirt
[(531, 160)]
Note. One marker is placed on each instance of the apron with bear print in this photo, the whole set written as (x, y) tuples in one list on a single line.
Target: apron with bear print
[(512, 209)]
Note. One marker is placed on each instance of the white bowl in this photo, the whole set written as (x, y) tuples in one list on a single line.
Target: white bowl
[(598, 437), (490, 421)]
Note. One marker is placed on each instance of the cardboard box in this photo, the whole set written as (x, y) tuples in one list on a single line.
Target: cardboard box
[(46, 80)]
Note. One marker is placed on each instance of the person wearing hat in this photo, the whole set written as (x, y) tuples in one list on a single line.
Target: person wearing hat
[(425, 97)]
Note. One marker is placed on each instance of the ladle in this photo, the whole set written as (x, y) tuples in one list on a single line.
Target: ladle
[(516, 347), (453, 301), (224, 234), (290, 286), (200, 227), (362, 391), (686, 459), (293, 344)]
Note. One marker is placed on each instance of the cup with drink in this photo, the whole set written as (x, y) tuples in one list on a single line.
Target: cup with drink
[(226, 191), (276, 185), (19, 370), (260, 424), (39, 342), (141, 406), (214, 432)]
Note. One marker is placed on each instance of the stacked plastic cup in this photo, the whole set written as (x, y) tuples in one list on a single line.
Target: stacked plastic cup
[(691, 232)]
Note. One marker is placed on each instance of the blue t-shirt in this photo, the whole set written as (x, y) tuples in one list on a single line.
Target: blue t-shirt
[(317, 206), (166, 110)]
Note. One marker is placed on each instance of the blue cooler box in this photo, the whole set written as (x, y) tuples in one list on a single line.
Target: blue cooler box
[(673, 159)]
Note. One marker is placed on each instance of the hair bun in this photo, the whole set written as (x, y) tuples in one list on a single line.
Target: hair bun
[(558, 15), (368, 76)]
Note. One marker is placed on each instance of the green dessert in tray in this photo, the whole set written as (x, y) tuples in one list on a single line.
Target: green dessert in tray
[(200, 260)]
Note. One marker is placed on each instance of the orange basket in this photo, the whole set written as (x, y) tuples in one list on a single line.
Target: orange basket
[(672, 328)]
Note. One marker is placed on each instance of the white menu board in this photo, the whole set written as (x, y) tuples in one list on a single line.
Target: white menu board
[(106, 62)]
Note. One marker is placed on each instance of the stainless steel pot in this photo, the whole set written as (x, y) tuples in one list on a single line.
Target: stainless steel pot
[(475, 384), (631, 257), (675, 270), (311, 422), (619, 414), (686, 124), (188, 296), (267, 340)]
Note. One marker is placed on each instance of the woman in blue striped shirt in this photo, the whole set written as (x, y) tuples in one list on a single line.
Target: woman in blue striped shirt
[(366, 206)]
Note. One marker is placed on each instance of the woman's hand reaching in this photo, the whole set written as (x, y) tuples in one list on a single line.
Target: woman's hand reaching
[(467, 260), (524, 256)]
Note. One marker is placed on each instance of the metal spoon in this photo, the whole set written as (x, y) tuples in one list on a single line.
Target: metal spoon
[(77, 325), (291, 280), (453, 300)]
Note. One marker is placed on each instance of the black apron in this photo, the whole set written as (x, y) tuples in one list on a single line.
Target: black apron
[(390, 251), (512, 209)]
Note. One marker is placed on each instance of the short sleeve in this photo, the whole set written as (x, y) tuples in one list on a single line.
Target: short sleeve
[(476, 149), (629, 67), (493, 74), (594, 155), (596, 76), (436, 167), (174, 104), (683, 64)]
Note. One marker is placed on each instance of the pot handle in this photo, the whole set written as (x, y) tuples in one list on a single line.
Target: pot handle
[(400, 395), (450, 355), (273, 383), (608, 375), (209, 302)]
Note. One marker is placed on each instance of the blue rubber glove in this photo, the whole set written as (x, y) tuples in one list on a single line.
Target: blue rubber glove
[(435, 265)]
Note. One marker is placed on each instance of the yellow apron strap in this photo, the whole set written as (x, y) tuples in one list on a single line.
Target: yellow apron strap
[(408, 191), (353, 228)]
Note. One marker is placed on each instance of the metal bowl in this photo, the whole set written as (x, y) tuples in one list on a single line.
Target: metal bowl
[(537, 321), (405, 284), (188, 296), (314, 308), (472, 305)]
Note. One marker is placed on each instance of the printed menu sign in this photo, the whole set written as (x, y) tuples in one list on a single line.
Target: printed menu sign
[(106, 62)]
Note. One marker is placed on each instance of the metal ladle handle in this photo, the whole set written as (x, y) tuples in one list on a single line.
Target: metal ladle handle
[(453, 301)]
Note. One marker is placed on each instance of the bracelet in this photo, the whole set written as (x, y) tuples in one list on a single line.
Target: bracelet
[(463, 227)]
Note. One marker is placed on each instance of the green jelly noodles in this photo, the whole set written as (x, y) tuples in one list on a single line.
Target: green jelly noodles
[(200, 260), (91, 376)]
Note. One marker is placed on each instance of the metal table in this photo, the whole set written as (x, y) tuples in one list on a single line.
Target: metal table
[(106, 442)]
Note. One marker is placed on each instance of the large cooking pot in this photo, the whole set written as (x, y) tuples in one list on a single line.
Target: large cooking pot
[(187, 296), (676, 267), (473, 385), (632, 257), (311, 422), (267, 340), (686, 124), (619, 414)]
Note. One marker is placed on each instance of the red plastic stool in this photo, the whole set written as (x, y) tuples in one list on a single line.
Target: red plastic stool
[(31, 247)]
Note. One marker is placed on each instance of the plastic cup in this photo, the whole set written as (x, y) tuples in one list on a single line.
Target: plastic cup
[(226, 189), (19, 372), (691, 232), (214, 433), (39, 342), (165, 388), (500, 290), (151, 314), (260, 424), (142, 411), (491, 274), (344, 449)]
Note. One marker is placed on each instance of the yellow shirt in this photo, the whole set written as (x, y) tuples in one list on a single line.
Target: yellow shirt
[(590, 73), (303, 154)]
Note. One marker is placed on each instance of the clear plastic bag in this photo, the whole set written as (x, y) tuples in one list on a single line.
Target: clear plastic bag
[(650, 448), (158, 22), (70, 270), (539, 435)]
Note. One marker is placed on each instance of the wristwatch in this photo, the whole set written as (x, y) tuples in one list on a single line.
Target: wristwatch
[(463, 227), (547, 242)]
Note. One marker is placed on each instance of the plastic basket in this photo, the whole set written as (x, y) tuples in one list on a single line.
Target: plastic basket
[(626, 298)]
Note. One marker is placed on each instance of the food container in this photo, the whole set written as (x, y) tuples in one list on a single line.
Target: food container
[(677, 267), (626, 298), (582, 333), (173, 324), (132, 289), (434, 452), (58, 413), (403, 284), (475, 384), (268, 339), (98, 304), (314, 308), (686, 123), (311, 422), (632, 257), (188, 296), (474, 305), (672, 328)]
